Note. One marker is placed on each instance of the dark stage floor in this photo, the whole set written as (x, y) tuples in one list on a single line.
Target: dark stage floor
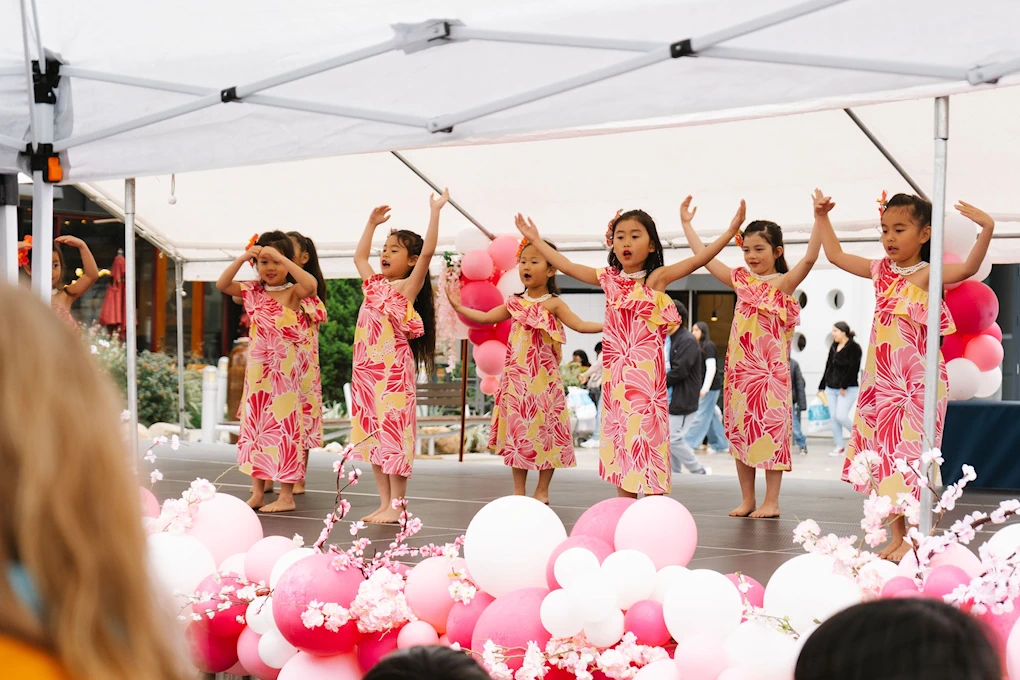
[(446, 495)]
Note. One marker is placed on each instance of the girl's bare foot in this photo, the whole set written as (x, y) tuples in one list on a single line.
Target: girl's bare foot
[(280, 505), (299, 488), (895, 551), (745, 509), (766, 511), (268, 489), (541, 498), (387, 516), (256, 500), (369, 517)]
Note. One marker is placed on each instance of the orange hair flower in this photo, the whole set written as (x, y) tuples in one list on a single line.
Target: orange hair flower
[(609, 229), (24, 248), (883, 201), (739, 238), (520, 248), (252, 241)]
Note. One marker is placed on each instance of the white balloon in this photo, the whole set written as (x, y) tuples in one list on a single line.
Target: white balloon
[(659, 670), (559, 616), (470, 238), (607, 632), (633, 574), (233, 565), (984, 269), (178, 563), (989, 383), (960, 235), (874, 575), (509, 542), (460, 330), (704, 602), (808, 588), (756, 646), (510, 283), (964, 379), (592, 595), (274, 650), (285, 562), (572, 563), (259, 615), (1005, 541), (668, 577)]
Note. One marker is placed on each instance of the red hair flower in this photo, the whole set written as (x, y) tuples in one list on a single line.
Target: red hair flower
[(520, 248), (739, 238), (24, 248), (609, 229), (252, 241), (883, 201)]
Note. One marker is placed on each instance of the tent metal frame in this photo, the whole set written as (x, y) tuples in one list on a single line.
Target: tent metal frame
[(416, 37)]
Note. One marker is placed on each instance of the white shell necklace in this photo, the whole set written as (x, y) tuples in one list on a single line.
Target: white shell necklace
[(636, 275), (542, 298), (768, 277), (907, 271), (277, 289)]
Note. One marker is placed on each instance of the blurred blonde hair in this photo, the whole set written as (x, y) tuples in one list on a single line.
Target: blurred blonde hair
[(73, 515)]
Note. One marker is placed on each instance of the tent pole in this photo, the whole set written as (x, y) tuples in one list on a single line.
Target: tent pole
[(463, 396), (435, 187), (9, 229), (179, 281), (931, 367), (130, 311), (885, 152), (42, 235)]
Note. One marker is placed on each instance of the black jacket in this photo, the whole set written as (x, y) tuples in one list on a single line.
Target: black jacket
[(799, 390), (842, 367), (686, 373)]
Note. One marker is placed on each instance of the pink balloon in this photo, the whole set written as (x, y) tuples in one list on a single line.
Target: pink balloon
[(944, 580), (645, 620), (897, 585), (490, 356), (304, 666), (993, 331), (417, 634), (428, 590), (601, 519), (476, 265), (661, 528), (150, 506), (985, 351), (489, 384), (373, 647), (955, 554), (700, 658), (248, 656), (950, 258), (973, 305), (460, 625), (444, 640), (756, 595), (737, 674), (226, 526), (512, 621), (659, 670), (233, 565), (262, 557), (503, 251), (237, 669), (597, 546), (999, 626), (209, 653), (953, 345), (223, 623), (399, 568), (480, 295), (315, 578)]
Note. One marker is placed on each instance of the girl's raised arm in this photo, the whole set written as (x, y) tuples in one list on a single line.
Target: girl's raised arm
[(364, 249), (494, 315), (226, 283), (88, 263), (573, 321), (954, 273), (305, 283), (554, 257), (715, 267), (854, 264), (413, 283), (796, 276)]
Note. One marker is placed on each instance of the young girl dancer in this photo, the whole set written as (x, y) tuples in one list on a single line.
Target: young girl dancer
[(890, 406), (634, 432), (757, 392), (65, 295), (394, 337), (530, 424), (281, 306)]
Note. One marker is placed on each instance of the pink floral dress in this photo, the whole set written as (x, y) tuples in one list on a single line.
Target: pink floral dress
[(530, 424), (890, 406), (311, 376), (757, 393), (634, 435), (272, 430), (383, 399)]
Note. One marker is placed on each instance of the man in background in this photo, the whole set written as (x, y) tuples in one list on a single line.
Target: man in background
[(683, 386)]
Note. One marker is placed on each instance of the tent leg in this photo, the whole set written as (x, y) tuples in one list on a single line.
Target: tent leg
[(179, 283), (42, 236), (9, 229), (463, 396), (130, 310), (885, 152), (931, 367), (435, 187)]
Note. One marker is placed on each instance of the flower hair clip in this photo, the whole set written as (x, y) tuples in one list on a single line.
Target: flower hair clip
[(609, 229), (739, 238), (520, 248), (24, 248), (882, 201)]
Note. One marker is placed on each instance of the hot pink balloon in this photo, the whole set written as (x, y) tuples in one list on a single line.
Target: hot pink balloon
[(944, 580), (597, 546), (700, 658), (756, 594), (237, 669), (248, 656), (460, 624), (417, 634), (503, 331), (263, 556), (209, 653), (661, 528), (223, 622), (985, 351), (953, 345), (489, 384), (476, 265), (950, 258), (150, 506), (601, 519), (477, 336), (503, 251), (490, 356), (899, 585), (973, 305), (315, 578), (480, 295), (512, 621), (226, 526), (993, 331), (304, 666), (373, 647), (428, 590), (645, 620)]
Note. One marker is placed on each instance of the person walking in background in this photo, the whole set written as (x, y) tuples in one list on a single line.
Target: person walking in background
[(592, 379), (839, 382), (708, 419), (683, 385), (799, 406)]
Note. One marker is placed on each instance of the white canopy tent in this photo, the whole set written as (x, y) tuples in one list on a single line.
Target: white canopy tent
[(135, 90)]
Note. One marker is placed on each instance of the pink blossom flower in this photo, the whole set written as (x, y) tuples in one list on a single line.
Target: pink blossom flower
[(155, 476), (202, 490)]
